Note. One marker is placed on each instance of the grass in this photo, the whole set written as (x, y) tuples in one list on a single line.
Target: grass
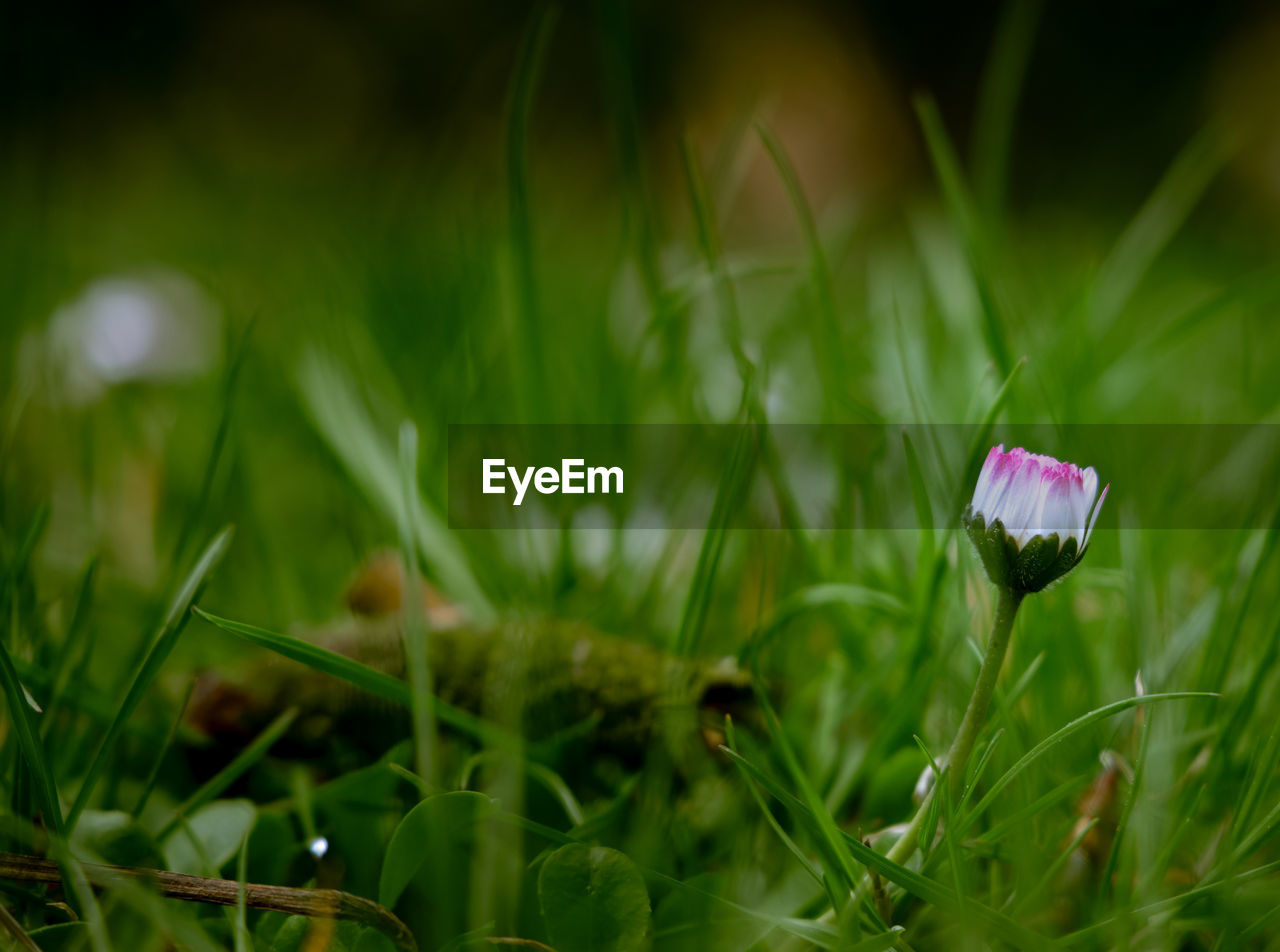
[(527, 300)]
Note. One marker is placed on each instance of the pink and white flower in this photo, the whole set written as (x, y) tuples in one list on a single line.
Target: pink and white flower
[(1032, 516)]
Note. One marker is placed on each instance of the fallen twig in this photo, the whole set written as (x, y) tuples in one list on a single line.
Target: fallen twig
[(316, 903)]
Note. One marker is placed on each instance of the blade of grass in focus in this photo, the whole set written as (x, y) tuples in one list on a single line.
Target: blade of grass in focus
[(1056, 738), (211, 789), (148, 785), (161, 647), (927, 889), (75, 647), (362, 676), (23, 724)]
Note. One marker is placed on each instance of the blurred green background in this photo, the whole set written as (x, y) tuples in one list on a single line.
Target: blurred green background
[(241, 243), (340, 175)]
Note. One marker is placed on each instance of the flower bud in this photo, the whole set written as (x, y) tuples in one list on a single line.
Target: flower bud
[(1031, 517)]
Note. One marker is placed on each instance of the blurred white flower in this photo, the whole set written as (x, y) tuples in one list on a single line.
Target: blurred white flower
[(156, 326)]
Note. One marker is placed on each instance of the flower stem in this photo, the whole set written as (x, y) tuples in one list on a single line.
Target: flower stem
[(975, 716)]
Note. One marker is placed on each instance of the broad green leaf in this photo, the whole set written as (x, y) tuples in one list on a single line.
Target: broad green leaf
[(441, 828), (210, 837), (593, 900), (114, 836)]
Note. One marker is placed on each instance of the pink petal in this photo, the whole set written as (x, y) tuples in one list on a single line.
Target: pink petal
[(987, 477)]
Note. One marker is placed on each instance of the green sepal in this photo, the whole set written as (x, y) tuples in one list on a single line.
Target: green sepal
[(1031, 570), (1065, 561), (992, 545), (1024, 570)]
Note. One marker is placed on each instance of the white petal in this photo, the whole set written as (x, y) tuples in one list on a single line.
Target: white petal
[(1089, 491), (1022, 500), (1058, 513)]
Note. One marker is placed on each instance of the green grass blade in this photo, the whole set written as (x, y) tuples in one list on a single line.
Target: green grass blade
[(734, 482), (239, 351), (530, 355), (814, 931), (920, 886), (924, 511), (941, 810), (19, 937), (1151, 910), (362, 676), (979, 768), (1257, 836), (224, 778), (1220, 651), (831, 595), (1017, 820), (1064, 733), (163, 644), (619, 65), (998, 103), (828, 344), (77, 884), (74, 646), (813, 802), (149, 785), (415, 626), (344, 423), (550, 781), (319, 659), (30, 539), (240, 923), (980, 445), (969, 227), (1054, 868), (805, 863), (23, 724), (1156, 223), (1126, 811), (713, 254)]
